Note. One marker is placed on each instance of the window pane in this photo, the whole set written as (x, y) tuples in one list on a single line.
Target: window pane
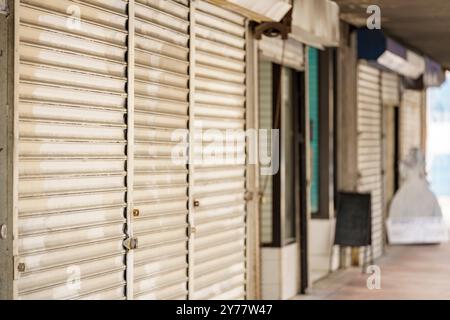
[(288, 153), (313, 82)]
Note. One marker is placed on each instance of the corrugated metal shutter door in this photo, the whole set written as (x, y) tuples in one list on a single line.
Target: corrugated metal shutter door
[(390, 89), (219, 246), (72, 149), (410, 122), (160, 184), (370, 149)]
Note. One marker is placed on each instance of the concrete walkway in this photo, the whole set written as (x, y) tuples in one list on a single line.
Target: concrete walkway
[(407, 272)]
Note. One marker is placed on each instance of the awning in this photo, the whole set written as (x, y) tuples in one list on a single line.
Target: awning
[(258, 10), (375, 46), (434, 75), (316, 23)]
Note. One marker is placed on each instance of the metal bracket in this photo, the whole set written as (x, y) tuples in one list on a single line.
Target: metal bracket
[(130, 243), (274, 29)]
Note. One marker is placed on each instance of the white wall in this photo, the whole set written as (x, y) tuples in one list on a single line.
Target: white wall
[(323, 257), (280, 272)]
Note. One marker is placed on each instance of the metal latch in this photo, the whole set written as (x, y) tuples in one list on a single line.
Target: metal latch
[(4, 7), (191, 230), (249, 196), (3, 232), (130, 243)]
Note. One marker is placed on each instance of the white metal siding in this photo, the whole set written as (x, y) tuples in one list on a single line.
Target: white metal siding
[(72, 150), (219, 245), (160, 185), (410, 122), (370, 149)]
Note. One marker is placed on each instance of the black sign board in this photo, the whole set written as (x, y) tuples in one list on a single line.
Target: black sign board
[(354, 220)]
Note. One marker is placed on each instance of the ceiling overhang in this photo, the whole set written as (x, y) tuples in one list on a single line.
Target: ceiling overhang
[(423, 26)]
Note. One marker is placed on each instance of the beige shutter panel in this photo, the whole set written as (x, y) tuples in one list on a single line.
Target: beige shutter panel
[(71, 188), (370, 178)]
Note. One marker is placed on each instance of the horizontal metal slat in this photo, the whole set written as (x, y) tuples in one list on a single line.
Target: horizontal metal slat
[(150, 89), (160, 195), (30, 167), (60, 112), (219, 86), (155, 255), (86, 286), (70, 95), (50, 38), (220, 288), (161, 207), (222, 50), (145, 105), (168, 6), (159, 32), (220, 62), (64, 239), (60, 76), (211, 34), (70, 202), (69, 256), (149, 59), (220, 99), (163, 48), (163, 237), (220, 12), (71, 220), (91, 13), (62, 275), (68, 59), (160, 76), (210, 72), (169, 292), (70, 131), (68, 149), (58, 22), (158, 17), (218, 23)]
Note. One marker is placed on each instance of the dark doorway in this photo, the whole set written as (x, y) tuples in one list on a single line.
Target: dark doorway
[(300, 175), (396, 149)]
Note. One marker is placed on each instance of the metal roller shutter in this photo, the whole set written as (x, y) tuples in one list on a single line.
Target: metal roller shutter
[(390, 89), (288, 53), (410, 122), (160, 190), (266, 123), (370, 148), (72, 150), (218, 189)]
